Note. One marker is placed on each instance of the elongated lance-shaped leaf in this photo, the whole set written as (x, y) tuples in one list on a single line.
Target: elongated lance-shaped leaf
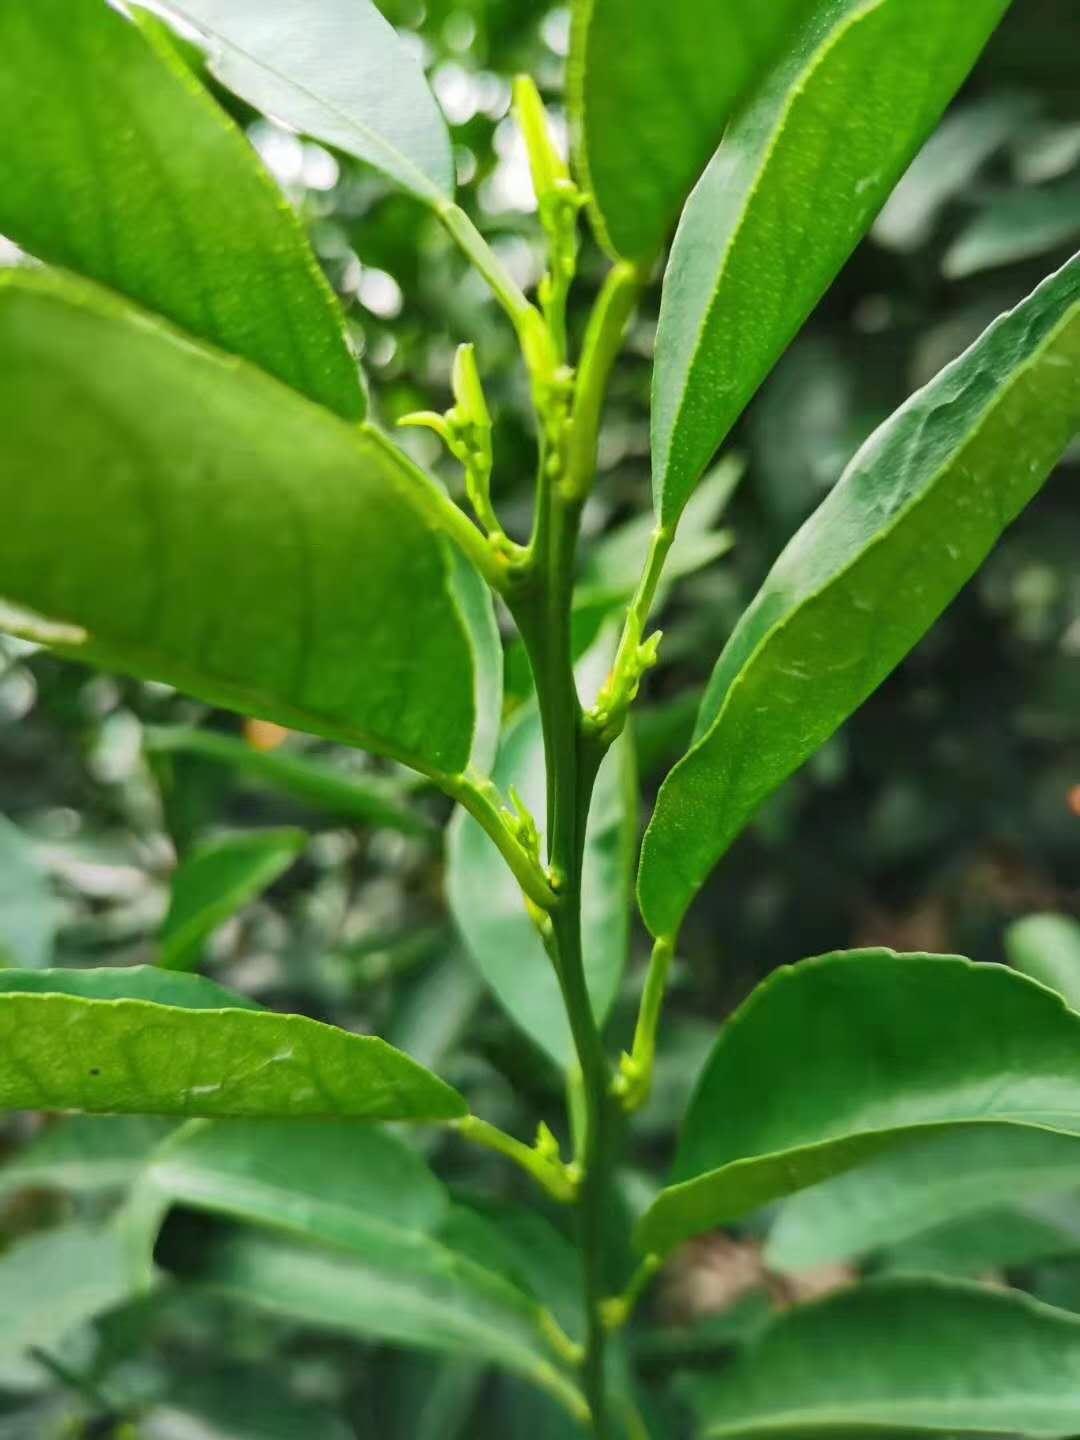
[(651, 85), (486, 900), (359, 1205), (928, 1182), (361, 798), (913, 517), (149, 1042), (800, 175), (216, 880), (831, 1062), (335, 70), (118, 165), (909, 1357), (187, 519), (1046, 1227)]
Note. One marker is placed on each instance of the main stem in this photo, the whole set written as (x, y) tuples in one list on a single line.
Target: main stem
[(543, 613)]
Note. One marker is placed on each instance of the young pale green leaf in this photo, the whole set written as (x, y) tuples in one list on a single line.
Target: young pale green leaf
[(1047, 947), (52, 1283), (922, 1184), (840, 1058), (379, 1256), (29, 913), (647, 115), (144, 1041), (801, 173), (913, 517), (186, 519), (487, 903), (84, 1154), (914, 1356), (217, 879), (119, 166), (335, 70), (362, 799)]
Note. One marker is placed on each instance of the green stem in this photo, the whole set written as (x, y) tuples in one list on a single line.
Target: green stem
[(619, 1309), (634, 656), (603, 338), (444, 514), (557, 1178), (635, 1077), (479, 799)]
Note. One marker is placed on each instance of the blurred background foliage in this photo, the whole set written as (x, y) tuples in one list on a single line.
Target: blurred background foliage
[(947, 809)]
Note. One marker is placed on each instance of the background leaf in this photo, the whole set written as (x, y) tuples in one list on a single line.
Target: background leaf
[(218, 878), (801, 173), (335, 70), (647, 117), (29, 913), (931, 1357), (382, 1260), (130, 174), (85, 1154), (914, 515), (839, 1058), (195, 561), (1047, 947), (101, 1040)]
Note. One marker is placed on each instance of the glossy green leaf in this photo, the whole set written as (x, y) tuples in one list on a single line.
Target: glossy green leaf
[(801, 173), (154, 1042), (51, 1283), (921, 1184), (1047, 947), (913, 517), (918, 1356), (647, 115), (1013, 227), (118, 165), (217, 879), (379, 1257), (837, 1059), (486, 899), (364, 799), (335, 70), (29, 913), (84, 1154), (220, 534)]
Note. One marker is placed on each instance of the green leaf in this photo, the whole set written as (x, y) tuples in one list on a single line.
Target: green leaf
[(145, 1041), (217, 879), (647, 116), (52, 1283), (380, 1260), (920, 1185), (336, 70), (29, 913), (487, 902), (235, 1404), (839, 1058), (913, 517), (1044, 1228), (1047, 947), (800, 175), (918, 1356), (84, 1154), (1019, 226), (365, 799), (220, 534), (118, 165)]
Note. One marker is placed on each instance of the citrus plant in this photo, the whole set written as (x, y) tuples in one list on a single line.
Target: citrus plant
[(196, 491)]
